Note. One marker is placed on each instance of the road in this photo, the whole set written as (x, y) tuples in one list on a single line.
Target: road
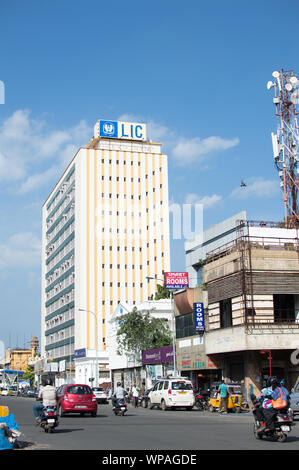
[(144, 429)]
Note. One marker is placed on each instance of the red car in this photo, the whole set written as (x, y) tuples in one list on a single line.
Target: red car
[(76, 398)]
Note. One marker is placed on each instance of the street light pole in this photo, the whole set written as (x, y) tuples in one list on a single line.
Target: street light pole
[(97, 360), (173, 323)]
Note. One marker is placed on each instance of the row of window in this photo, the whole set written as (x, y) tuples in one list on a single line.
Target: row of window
[(60, 319), (61, 286), (60, 335), (60, 225), (61, 351), (64, 300), (61, 193), (65, 234), (61, 269), (62, 253), (127, 161), (68, 199)]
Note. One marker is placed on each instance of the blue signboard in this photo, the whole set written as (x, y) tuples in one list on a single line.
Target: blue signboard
[(109, 129), (80, 353), (199, 316), (120, 130)]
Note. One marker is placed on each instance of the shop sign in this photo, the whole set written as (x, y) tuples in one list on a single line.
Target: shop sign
[(199, 316), (157, 356), (176, 280), (120, 130)]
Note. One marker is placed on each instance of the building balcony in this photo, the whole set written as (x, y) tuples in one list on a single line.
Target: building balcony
[(253, 336)]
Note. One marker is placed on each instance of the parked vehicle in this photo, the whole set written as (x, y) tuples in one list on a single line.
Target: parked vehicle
[(76, 398), (49, 418), (294, 399), (31, 393), (3, 391), (234, 399), (202, 400), (120, 407), (172, 393), (100, 395), (143, 399), (283, 424)]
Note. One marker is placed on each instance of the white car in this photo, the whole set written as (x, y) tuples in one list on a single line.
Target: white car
[(3, 391), (100, 394), (172, 393)]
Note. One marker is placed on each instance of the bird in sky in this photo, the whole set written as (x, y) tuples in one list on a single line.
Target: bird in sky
[(243, 185)]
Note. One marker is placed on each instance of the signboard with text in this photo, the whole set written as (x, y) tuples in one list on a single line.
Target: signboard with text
[(199, 316), (120, 130), (176, 280)]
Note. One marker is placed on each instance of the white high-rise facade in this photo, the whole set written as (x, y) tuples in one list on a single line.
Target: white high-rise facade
[(105, 230)]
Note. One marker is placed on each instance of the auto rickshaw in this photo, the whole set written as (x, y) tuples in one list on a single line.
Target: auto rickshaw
[(234, 399)]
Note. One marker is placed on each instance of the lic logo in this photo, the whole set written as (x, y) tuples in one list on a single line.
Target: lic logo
[(2, 92), (108, 128)]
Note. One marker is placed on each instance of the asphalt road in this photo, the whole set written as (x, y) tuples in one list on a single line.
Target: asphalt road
[(144, 429)]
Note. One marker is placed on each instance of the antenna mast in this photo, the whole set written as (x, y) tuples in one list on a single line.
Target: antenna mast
[(286, 141)]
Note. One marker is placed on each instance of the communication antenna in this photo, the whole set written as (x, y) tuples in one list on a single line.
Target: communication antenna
[(286, 141)]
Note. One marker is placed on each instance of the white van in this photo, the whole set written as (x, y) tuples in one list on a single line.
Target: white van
[(172, 393)]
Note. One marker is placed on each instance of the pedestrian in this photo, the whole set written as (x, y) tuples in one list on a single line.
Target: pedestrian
[(135, 392), (224, 393)]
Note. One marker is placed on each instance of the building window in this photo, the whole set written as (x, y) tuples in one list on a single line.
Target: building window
[(185, 325), (284, 308), (226, 318)]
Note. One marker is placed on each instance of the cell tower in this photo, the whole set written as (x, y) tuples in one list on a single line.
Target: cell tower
[(286, 141)]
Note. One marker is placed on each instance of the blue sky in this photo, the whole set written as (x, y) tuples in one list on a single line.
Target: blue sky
[(195, 72)]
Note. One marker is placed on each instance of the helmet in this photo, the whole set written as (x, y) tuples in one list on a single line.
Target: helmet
[(119, 384), (48, 381), (272, 382)]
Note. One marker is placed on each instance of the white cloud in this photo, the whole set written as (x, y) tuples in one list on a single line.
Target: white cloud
[(256, 187), (21, 250), (27, 146), (196, 149), (206, 201)]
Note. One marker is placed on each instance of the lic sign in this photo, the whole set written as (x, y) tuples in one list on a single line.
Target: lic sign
[(120, 130)]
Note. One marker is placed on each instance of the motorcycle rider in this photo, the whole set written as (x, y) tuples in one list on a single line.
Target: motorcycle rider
[(118, 394), (276, 391), (265, 401), (46, 397)]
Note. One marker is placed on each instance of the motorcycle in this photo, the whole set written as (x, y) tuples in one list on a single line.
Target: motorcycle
[(283, 423), (120, 408), (49, 418), (201, 400)]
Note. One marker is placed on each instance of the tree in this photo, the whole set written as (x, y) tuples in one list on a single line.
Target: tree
[(29, 374), (161, 293), (138, 331)]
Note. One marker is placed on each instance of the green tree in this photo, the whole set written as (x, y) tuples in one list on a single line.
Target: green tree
[(161, 293), (29, 374), (137, 331)]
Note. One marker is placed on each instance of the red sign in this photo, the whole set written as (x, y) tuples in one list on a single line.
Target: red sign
[(176, 280)]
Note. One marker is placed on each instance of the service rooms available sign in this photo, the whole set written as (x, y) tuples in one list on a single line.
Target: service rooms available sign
[(176, 280)]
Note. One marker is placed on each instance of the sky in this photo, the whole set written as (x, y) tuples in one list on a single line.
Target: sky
[(194, 71)]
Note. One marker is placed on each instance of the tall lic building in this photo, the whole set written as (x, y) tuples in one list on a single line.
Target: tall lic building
[(105, 231)]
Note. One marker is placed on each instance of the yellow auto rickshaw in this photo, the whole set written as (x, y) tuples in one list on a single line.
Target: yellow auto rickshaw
[(234, 399)]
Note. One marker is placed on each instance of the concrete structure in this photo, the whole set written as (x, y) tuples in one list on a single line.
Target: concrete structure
[(217, 235), (126, 368), (105, 229), (252, 306), (21, 358)]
